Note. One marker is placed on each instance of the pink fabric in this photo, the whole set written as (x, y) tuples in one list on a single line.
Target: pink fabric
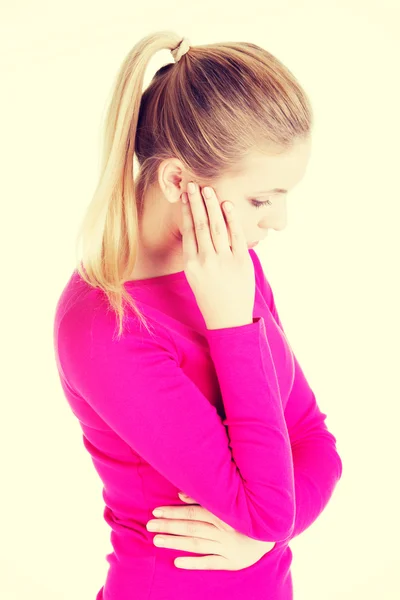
[(226, 415)]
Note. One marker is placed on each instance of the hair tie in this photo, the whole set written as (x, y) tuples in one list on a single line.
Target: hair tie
[(181, 49)]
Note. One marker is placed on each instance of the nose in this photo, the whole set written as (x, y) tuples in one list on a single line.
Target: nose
[(276, 218), (278, 224)]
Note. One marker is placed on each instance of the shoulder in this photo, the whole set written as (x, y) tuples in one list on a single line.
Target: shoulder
[(89, 327)]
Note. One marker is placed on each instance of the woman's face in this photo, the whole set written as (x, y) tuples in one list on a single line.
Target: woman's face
[(260, 191), (160, 227)]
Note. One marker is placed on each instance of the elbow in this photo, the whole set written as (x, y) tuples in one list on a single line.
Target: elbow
[(275, 524), (286, 533), (270, 520), (282, 532), (287, 512), (274, 533)]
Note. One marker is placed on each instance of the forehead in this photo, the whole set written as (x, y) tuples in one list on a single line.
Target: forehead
[(282, 170)]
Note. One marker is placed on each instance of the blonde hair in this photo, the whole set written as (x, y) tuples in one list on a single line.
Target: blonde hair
[(209, 109)]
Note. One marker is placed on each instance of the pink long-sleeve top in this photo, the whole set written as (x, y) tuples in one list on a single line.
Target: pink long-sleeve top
[(224, 415)]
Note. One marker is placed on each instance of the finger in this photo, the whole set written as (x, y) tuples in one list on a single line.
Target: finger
[(188, 544), (191, 512), (218, 227), (200, 529), (208, 563), (238, 239), (189, 242), (200, 221), (187, 499)]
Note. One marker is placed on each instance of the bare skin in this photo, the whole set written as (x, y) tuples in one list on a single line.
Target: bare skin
[(160, 227)]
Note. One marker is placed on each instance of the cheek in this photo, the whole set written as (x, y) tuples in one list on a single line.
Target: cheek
[(262, 218), (249, 218), (248, 223)]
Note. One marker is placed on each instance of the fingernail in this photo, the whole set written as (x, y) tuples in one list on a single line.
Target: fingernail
[(191, 188), (157, 512), (228, 207), (207, 192)]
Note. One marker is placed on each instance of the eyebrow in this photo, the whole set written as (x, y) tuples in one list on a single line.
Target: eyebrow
[(274, 191)]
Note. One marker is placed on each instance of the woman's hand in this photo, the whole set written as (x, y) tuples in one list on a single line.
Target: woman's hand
[(195, 529)]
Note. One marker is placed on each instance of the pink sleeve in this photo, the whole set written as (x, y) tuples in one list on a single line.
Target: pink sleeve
[(240, 469), (317, 464)]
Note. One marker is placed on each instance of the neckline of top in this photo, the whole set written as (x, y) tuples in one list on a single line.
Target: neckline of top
[(179, 275)]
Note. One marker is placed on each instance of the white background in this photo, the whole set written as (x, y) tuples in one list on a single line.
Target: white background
[(334, 271)]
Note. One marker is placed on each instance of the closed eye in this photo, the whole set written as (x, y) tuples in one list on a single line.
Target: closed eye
[(258, 204)]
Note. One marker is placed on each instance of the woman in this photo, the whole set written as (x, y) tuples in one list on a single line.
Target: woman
[(207, 398)]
